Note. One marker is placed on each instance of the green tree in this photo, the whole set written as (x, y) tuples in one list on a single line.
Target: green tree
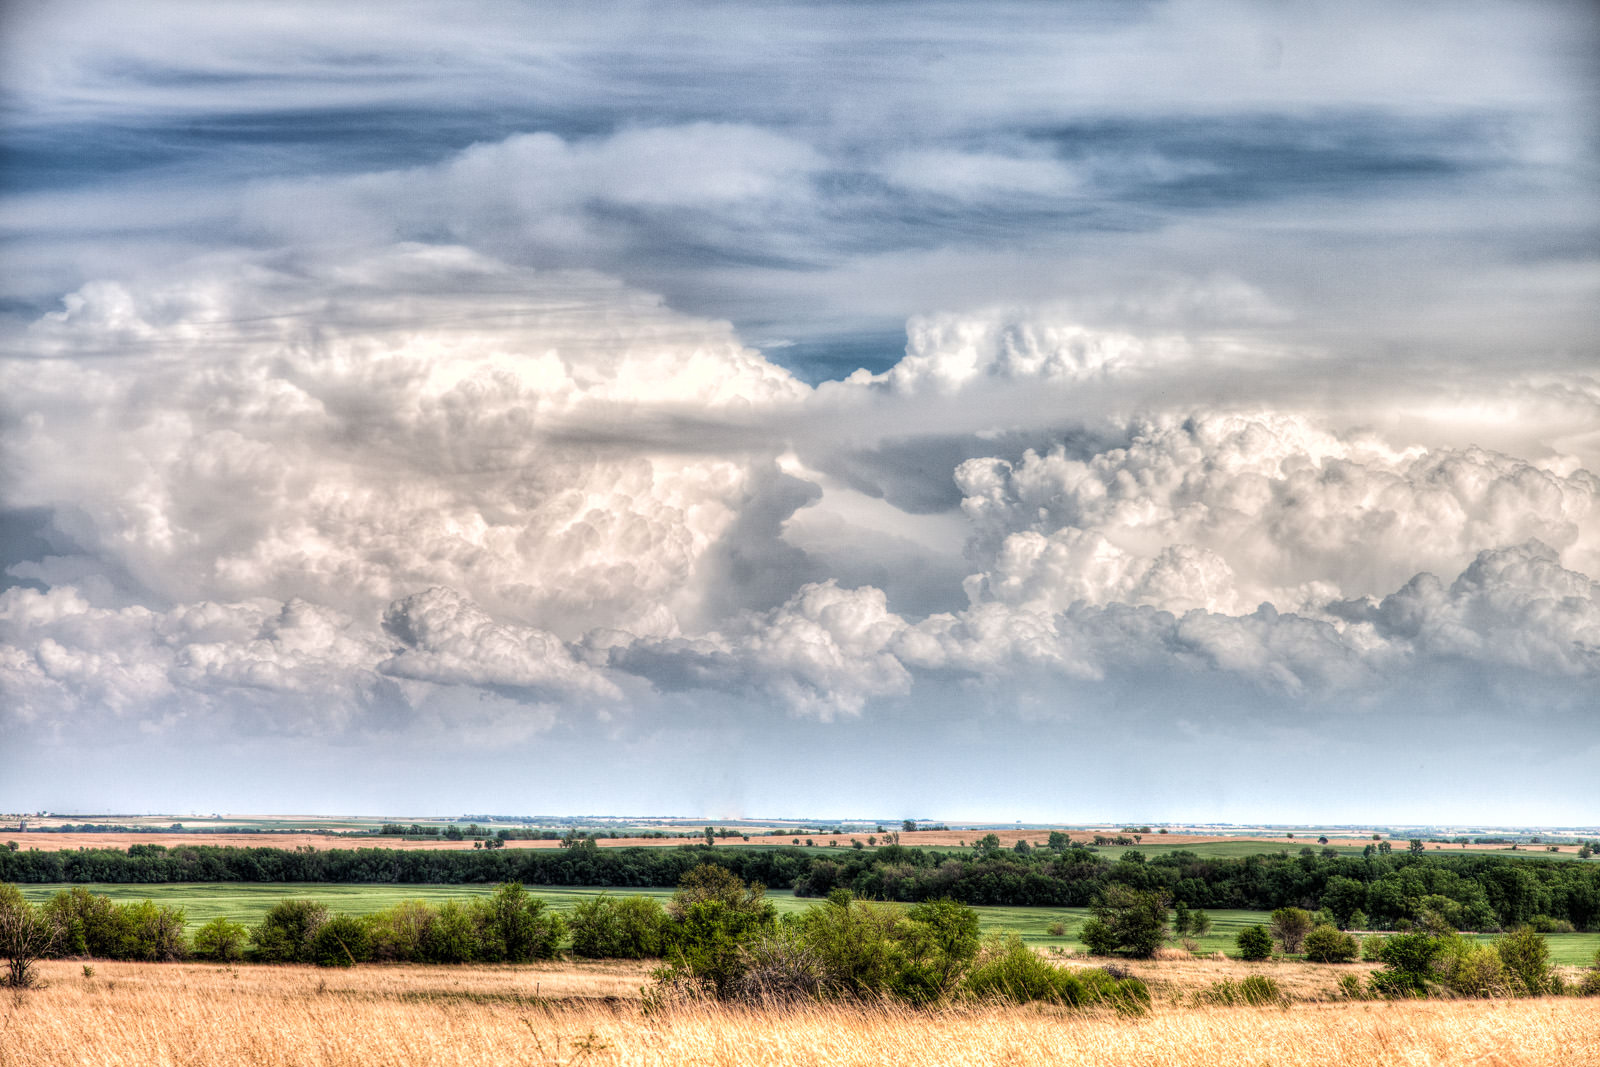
[(1126, 920), (1408, 959), (908, 825), (1290, 926), (1254, 943), (1416, 847)]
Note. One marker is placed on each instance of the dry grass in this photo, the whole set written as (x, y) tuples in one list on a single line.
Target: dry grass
[(280, 1016)]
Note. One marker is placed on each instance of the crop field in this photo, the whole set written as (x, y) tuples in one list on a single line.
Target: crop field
[(188, 1015), (247, 902)]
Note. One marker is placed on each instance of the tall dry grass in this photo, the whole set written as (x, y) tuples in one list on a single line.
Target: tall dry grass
[(139, 1014)]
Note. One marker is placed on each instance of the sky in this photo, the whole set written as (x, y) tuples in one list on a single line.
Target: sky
[(1055, 412)]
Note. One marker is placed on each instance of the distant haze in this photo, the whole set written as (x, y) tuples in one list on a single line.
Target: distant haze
[(1017, 411)]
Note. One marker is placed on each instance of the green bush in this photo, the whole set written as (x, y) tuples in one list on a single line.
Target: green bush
[(1329, 944), (342, 941), (1409, 961), (630, 928), (937, 942), (1350, 987), (1372, 948), (1526, 956), (1009, 970), (1254, 943), (1256, 991), (514, 926), (149, 932), (1589, 985), (86, 922), (221, 941), (1469, 969), (285, 933)]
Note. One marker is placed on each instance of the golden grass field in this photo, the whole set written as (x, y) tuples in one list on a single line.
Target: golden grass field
[(257, 1016)]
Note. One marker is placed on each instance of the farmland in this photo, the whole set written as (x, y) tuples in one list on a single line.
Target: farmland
[(563, 1013)]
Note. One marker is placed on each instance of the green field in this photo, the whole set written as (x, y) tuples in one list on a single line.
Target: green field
[(247, 902)]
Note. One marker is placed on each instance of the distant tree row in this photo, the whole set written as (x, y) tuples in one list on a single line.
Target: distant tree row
[(1424, 889)]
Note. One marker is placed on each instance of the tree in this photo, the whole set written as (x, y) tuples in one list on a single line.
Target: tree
[(1254, 943), (711, 836), (1058, 841), (605, 927), (516, 926), (908, 825), (1417, 847), (1290, 926), (1126, 920), (1408, 959), (26, 935)]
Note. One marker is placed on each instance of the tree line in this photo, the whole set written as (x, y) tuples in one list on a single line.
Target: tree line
[(1378, 890)]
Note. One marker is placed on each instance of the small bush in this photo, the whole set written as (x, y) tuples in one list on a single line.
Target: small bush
[(221, 941), (1350, 987), (1589, 986), (1254, 943), (1256, 991), (1058, 929), (284, 934), (1328, 944), (1469, 969), (1543, 924), (1372, 948)]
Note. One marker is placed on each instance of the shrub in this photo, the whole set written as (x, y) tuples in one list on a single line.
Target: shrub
[(1589, 986), (937, 942), (1545, 925), (514, 926), (1010, 970), (149, 932), (1409, 959), (1469, 969), (86, 922), (1350, 987), (1329, 944), (1526, 956), (1254, 943), (220, 940), (397, 933), (1257, 991), (605, 927), (285, 933), (1372, 948), (342, 941)]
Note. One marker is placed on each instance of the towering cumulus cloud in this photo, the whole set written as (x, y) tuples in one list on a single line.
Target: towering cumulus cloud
[(1197, 406)]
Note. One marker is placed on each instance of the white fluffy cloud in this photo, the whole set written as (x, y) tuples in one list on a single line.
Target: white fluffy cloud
[(322, 494)]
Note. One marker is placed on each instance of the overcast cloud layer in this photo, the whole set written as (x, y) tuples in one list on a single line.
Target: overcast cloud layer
[(1042, 412)]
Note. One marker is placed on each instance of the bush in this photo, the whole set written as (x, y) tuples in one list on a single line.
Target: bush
[(1372, 948), (1526, 956), (605, 927), (1329, 944), (85, 922), (1256, 991), (1350, 987), (285, 933), (1469, 969), (149, 933), (1010, 970), (342, 941), (1254, 943), (1409, 959), (1589, 986), (221, 941), (514, 926), (1545, 925), (937, 942)]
